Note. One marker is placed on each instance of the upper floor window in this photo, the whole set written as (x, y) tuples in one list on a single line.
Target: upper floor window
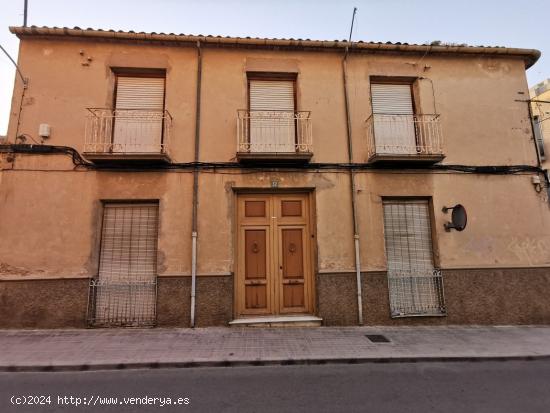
[(137, 126), (272, 105), (393, 109), (538, 136), (396, 131), (138, 114), (271, 124)]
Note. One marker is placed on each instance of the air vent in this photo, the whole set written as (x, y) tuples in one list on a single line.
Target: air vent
[(377, 338)]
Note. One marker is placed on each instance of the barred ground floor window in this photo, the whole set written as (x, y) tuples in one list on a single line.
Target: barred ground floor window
[(124, 293), (415, 285)]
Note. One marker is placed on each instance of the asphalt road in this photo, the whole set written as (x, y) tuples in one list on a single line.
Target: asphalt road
[(510, 386)]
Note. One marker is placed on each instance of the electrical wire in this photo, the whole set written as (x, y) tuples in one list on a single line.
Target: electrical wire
[(222, 167)]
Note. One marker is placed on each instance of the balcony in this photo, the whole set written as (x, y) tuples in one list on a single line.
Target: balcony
[(274, 136), (127, 135), (404, 138)]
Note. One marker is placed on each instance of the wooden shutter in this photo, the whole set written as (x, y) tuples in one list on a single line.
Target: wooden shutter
[(394, 122), (272, 121), (272, 95), (139, 108), (146, 93), (394, 99)]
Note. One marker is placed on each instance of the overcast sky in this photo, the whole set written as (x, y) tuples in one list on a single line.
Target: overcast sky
[(512, 23)]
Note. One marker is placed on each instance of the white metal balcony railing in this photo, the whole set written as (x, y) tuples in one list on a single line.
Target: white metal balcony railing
[(389, 134), (127, 131), (274, 131)]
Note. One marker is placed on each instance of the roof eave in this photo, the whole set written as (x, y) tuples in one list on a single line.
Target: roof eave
[(530, 56)]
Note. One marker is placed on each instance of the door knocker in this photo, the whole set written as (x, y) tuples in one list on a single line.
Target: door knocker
[(255, 248)]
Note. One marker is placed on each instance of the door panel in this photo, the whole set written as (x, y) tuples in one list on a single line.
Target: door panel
[(292, 252), (291, 208), (292, 270), (293, 296), (255, 268), (274, 273), (255, 278), (254, 208)]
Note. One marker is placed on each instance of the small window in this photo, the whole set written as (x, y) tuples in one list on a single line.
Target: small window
[(538, 137), (415, 285)]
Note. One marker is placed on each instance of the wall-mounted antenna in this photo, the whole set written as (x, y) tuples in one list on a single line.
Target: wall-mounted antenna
[(24, 79), (25, 8), (352, 21)]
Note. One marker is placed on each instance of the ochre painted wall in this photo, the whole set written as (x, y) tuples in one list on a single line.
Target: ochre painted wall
[(50, 212)]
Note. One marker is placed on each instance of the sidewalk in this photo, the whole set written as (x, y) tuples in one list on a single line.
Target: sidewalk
[(48, 350)]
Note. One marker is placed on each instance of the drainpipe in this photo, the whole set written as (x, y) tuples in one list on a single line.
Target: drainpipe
[(353, 195), (194, 232)]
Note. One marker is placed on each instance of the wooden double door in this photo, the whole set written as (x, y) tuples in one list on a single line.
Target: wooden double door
[(274, 255)]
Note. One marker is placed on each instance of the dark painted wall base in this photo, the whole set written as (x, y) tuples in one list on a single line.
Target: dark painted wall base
[(44, 303), (63, 303), (477, 296)]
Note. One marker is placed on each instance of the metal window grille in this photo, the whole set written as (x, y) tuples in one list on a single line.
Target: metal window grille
[(124, 293), (415, 286)]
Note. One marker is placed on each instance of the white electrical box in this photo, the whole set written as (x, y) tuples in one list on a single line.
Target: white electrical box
[(44, 130)]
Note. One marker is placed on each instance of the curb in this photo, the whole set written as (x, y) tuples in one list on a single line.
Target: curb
[(256, 363)]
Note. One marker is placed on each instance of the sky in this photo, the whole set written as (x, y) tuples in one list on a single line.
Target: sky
[(511, 23)]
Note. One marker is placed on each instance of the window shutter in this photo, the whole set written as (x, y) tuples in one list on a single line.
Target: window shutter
[(138, 116), (408, 235), (125, 291), (146, 93), (272, 119), (393, 116), (272, 95), (391, 99), (129, 241), (415, 287)]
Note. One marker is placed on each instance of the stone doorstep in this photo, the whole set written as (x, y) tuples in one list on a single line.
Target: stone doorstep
[(278, 321)]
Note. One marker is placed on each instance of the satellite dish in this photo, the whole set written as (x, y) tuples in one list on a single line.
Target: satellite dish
[(459, 218)]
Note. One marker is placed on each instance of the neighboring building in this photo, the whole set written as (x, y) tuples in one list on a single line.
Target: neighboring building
[(291, 216), (540, 110)]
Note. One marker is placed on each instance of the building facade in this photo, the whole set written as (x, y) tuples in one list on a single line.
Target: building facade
[(174, 180)]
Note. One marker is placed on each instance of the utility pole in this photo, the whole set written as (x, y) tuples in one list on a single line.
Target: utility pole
[(25, 7)]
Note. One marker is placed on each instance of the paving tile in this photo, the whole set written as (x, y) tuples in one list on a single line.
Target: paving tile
[(104, 346)]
